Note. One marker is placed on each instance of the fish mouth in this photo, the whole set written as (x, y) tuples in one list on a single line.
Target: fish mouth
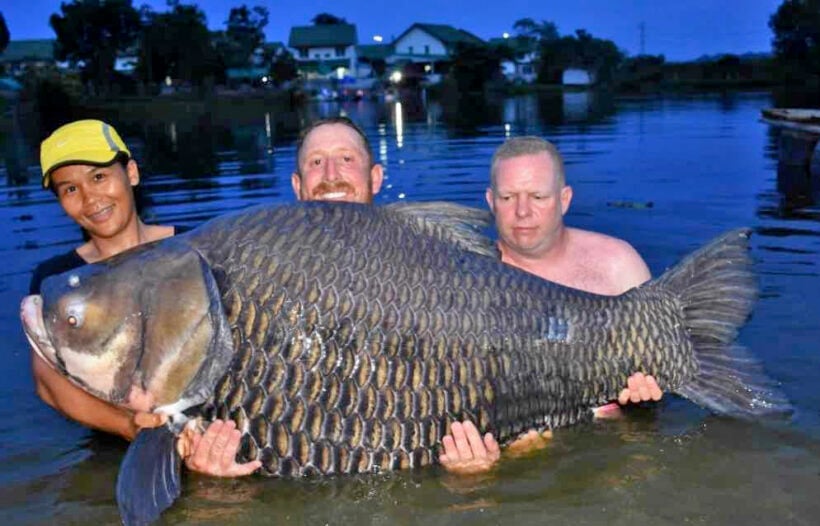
[(31, 313)]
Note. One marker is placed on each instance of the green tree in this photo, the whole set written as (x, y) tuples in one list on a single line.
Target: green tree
[(282, 67), (538, 32), (91, 33), (796, 28), (326, 19), (474, 65), (4, 34), (243, 37), (176, 44), (599, 56), (641, 72)]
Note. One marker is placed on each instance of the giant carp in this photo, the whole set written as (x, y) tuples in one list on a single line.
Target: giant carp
[(344, 338)]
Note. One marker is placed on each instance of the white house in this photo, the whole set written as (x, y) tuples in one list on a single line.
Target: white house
[(324, 51), (431, 46)]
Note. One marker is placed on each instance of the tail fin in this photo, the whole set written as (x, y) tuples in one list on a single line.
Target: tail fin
[(717, 289)]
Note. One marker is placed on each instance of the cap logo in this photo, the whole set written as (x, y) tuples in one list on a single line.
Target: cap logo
[(106, 130)]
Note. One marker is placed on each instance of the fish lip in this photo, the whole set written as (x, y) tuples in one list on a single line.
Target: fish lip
[(34, 327)]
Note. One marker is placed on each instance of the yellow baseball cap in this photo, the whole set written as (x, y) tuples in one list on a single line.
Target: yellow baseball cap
[(80, 142)]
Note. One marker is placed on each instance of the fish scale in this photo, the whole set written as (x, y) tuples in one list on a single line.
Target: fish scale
[(376, 315)]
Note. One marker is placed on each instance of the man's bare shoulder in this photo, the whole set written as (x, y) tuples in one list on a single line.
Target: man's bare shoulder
[(603, 244), (614, 257)]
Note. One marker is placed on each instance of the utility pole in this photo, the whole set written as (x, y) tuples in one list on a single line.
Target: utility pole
[(642, 30)]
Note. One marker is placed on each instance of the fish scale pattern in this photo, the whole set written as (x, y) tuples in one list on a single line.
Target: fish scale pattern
[(361, 336)]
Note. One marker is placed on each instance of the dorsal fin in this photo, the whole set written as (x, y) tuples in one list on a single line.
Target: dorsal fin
[(458, 224)]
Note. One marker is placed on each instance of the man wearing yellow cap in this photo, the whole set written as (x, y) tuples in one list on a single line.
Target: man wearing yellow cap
[(90, 170)]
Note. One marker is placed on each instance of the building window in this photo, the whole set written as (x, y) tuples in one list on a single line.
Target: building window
[(426, 49), (327, 55), (303, 52), (340, 51), (526, 69), (409, 50)]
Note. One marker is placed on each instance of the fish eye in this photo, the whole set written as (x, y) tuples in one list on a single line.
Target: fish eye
[(74, 315)]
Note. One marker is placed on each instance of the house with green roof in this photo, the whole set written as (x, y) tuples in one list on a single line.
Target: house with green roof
[(325, 51), (20, 54), (430, 45)]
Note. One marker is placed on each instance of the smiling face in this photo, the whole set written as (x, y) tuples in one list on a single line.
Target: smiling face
[(334, 165), (529, 203), (98, 198)]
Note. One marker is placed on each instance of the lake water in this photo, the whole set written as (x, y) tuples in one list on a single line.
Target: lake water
[(666, 174)]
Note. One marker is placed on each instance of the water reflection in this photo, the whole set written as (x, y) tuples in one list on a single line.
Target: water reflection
[(576, 105), (797, 157), (398, 124), (199, 143)]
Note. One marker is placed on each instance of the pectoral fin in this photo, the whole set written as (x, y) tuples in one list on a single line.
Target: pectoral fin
[(149, 479)]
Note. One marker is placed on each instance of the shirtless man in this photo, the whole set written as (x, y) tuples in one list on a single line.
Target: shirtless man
[(528, 196)]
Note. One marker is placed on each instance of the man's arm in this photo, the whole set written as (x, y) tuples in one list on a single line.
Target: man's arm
[(212, 453), (628, 269), (466, 452)]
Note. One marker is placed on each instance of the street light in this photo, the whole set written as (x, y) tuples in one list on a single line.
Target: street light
[(395, 77)]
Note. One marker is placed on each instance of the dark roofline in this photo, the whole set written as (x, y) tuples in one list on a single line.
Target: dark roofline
[(321, 36), (433, 29)]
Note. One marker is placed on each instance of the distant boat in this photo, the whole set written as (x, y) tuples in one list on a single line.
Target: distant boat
[(807, 120)]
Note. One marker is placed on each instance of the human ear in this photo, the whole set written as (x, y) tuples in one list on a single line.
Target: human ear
[(488, 195), (376, 178), (296, 184), (133, 172), (566, 199)]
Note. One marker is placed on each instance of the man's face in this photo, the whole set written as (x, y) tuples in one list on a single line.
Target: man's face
[(335, 166), (528, 203)]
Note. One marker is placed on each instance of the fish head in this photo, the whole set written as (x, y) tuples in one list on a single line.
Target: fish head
[(144, 329)]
